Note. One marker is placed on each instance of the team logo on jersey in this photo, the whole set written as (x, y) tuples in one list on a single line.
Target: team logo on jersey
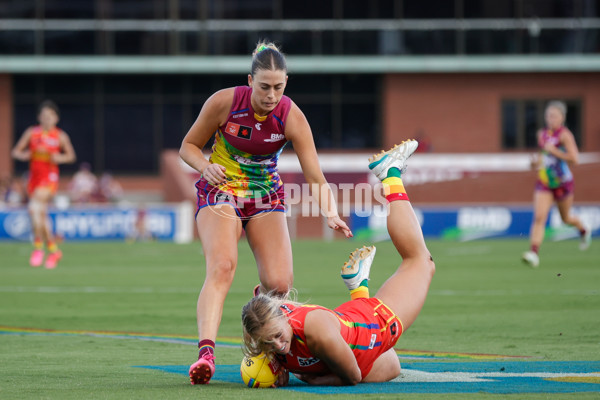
[(257, 125), (286, 308), (276, 137), (307, 362), (241, 131), (373, 340), (394, 328)]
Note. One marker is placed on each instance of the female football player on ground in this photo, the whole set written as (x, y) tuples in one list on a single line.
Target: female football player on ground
[(555, 181), (45, 146), (354, 342), (240, 188)]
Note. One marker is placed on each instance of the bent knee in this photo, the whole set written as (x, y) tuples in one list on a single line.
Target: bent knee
[(568, 219), (427, 261), (430, 265), (222, 269), (396, 370)]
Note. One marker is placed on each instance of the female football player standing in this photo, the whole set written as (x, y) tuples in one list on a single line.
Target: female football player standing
[(240, 188), (45, 146)]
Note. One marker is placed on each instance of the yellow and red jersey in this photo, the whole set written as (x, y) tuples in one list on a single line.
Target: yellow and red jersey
[(42, 170), (368, 326)]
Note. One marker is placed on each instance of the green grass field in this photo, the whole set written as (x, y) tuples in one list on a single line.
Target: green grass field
[(482, 300)]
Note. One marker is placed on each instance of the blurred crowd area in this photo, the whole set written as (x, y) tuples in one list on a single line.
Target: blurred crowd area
[(84, 187)]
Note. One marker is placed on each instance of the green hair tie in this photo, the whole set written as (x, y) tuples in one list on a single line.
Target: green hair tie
[(261, 48)]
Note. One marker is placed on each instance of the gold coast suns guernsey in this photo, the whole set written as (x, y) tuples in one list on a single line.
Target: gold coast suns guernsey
[(248, 146), (368, 326), (43, 144)]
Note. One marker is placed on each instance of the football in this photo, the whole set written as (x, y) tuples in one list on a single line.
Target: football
[(258, 372)]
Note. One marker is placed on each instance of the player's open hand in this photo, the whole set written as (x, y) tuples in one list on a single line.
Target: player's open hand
[(214, 174), (549, 147), (336, 223)]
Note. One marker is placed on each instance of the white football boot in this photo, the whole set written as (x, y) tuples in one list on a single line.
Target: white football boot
[(586, 240), (531, 258), (358, 267), (396, 157)]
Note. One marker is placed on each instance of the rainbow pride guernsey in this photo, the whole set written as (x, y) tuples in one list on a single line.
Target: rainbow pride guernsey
[(248, 146), (554, 171)]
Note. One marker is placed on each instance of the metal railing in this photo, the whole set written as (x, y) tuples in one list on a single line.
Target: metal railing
[(532, 25)]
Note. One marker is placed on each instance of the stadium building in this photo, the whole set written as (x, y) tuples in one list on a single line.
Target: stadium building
[(468, 78)]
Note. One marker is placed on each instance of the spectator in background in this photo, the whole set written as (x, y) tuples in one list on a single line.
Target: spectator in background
[(12, 192), (84, 185), (555, 183), (109, 189), (425, 145), (44, 146), (141, 231)]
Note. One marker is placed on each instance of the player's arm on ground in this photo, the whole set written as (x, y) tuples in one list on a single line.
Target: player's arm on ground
[(67, 153), (213, 114), (298, 132), (324, 340), (21, 150)]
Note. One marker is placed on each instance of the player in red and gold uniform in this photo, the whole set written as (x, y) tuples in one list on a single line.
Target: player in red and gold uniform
[(354, 342), (45, 146)]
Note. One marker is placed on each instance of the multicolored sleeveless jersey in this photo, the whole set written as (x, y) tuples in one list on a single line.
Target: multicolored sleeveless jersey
[(42, 145), (368, 326), (248, 146), (554, 171)]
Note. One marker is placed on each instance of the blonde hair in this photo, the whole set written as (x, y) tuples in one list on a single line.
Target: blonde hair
[(267, 56), (559, 105), (259, 311)]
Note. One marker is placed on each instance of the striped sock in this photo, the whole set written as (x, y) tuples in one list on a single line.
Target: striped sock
[(393, 187), (52, 247), (361, 292), (38, 244), (206, 346)]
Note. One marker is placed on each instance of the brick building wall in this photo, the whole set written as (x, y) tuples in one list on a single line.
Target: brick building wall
[(462, 112)]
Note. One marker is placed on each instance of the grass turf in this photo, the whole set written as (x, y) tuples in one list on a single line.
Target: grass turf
[(482, 300)]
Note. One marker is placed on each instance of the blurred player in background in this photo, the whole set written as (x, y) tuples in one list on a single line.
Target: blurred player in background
[(355, 342), (240, 188), (45, 146), (555, 181)]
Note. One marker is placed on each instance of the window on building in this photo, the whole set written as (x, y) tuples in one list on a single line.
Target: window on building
[(522, 118), (109, 115)]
